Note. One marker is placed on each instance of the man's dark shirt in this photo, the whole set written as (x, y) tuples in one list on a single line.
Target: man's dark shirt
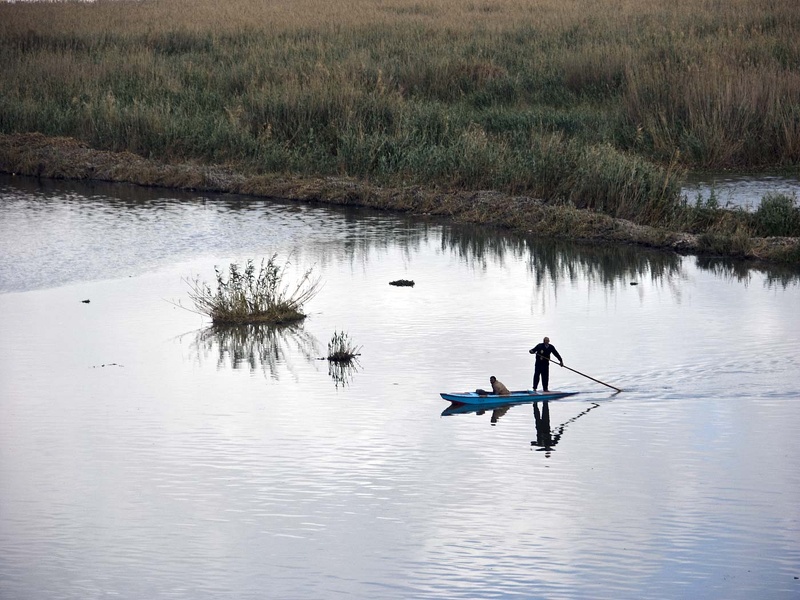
[(546, 350)]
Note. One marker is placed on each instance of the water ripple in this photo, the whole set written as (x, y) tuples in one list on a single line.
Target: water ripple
[(183, 474)]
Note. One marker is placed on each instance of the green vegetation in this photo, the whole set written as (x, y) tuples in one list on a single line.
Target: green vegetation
[(778, 215), (600, 105), (249, 297), (341, 348)]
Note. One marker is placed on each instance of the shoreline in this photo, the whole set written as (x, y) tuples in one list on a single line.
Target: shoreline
[(37, 155)]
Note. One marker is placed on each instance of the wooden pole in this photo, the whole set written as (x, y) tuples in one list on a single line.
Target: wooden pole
[(584, 375)]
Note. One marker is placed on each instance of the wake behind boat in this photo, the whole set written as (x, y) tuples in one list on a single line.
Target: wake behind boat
[(476, 399)]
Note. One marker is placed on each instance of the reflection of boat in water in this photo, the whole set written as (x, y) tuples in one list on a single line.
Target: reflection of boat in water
[(462, 409), (498, 409), (521, 396)]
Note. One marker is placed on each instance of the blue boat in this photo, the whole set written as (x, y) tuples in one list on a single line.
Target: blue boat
[(521, 396)]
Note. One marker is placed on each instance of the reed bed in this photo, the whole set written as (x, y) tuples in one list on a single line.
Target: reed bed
[(597, 106), (246, 295)]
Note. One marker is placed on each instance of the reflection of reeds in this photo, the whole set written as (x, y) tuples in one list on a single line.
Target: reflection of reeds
[(607, 265), (342, 371), (256, 346), (555, 261)]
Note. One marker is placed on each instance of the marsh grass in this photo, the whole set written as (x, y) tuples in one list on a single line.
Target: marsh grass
[(247, 295), (597, 105), (342, 358), (341, 349), (778, 215)]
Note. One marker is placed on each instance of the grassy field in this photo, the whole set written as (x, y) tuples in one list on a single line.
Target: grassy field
[(596, 105)]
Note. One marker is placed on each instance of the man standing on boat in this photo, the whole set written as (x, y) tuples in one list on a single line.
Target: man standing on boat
[(542, 368)]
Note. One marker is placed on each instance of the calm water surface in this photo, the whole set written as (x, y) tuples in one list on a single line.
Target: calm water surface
[(144, 454), (733, 190)]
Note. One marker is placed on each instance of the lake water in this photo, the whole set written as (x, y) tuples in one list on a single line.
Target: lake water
[(146, 455), (738, 191)]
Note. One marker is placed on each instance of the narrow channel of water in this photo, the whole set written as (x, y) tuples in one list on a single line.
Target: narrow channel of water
[(738, 191), (145, 454)]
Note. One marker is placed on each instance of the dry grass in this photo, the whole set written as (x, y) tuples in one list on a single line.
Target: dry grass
[(35, 154), (152, 16), (246, 295), (718, 82), (595, 105)]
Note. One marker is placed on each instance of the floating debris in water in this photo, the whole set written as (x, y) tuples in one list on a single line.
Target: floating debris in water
[(404, 282)]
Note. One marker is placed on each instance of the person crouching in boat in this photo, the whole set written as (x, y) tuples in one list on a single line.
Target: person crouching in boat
[(498, 388), (542, 368)]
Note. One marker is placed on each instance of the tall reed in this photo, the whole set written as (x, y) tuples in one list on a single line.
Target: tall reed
[(599, 105), (247, 295), (341, 348)]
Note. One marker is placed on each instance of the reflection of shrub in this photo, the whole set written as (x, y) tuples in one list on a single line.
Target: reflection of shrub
[(256, 346), (247, 296), (341, 349), (778, 215)]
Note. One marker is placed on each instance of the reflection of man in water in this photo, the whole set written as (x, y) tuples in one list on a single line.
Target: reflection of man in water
[(542, 368), (544, 437), (497, 413)]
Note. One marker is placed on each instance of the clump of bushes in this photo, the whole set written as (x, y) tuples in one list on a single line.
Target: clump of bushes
[(341, 349), (778, 215), (250, 295)]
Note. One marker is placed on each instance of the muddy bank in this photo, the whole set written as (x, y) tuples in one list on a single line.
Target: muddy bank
[(36, 155)]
